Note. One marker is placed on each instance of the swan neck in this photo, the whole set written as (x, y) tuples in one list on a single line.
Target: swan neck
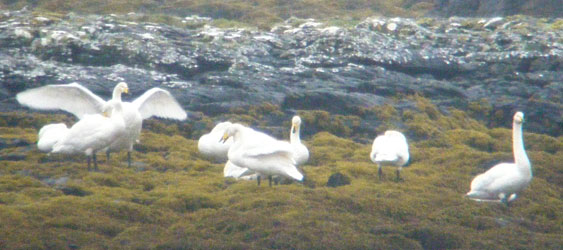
[(520, 157), (294, 134), (116, 94)]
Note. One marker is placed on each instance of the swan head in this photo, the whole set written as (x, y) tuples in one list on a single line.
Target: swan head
[(295, 124), (231, 131), (519, 117), (122, 87), (222, 126)]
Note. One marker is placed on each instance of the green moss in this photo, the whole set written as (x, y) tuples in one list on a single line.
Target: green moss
[(557, 25), (172, 197)]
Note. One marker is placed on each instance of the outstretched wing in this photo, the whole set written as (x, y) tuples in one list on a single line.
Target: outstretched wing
[(73, 98), (159, 102)]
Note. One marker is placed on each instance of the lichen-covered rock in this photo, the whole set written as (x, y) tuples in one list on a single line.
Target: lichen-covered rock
[(511, 63)]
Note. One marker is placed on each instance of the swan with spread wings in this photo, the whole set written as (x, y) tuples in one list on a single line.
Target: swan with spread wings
[(79, 101)]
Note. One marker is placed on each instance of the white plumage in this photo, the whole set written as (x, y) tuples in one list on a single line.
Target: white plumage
[(92, 133), (301, 153), (80, 101), (391, 149), (504, 181), (261, 154), (49, 135), (209, 144)]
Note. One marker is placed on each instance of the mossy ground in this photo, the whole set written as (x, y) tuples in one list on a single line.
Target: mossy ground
[(262, 14), (173, 198)]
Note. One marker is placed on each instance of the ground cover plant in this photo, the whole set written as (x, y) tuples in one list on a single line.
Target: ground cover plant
[(173, 198)]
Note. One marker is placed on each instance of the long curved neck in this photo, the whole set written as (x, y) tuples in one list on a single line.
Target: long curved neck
[(116, 94), (294, 134), (520, 157)]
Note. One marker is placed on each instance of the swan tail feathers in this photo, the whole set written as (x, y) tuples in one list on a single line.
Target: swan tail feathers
[(49, 135), (386, 157), (479, 195), (295, 174)]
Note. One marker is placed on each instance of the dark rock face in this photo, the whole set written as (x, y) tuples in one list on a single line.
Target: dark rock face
[(338, 179), (511, 63)]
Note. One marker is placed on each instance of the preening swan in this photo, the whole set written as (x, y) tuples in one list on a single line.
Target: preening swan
[(49, 135), (209, 144), (301, 153), (391, 149), (263, 155), (504, 181), (92, 133), (80, 101)]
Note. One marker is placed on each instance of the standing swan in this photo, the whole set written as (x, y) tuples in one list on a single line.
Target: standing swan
[(504, 181), (92, 133), (263, 155), (80, 101), (301, 153), (390, 148)]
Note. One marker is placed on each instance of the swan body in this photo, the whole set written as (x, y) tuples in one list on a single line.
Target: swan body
[(301, 153), (80, 101), (261, 154), (391, 149), (49, 135), (504, 181), (234, 171), (210, 146), (92, 133)]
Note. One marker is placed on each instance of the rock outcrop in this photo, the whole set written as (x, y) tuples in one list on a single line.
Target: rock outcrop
[(506, 63)]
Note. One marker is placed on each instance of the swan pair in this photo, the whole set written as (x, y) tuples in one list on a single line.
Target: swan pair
[(392, 149), (262, 154), (81, 102), (504, 181), (209, 145)]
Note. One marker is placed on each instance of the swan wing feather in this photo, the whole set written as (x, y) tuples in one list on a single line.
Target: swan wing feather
[(73, 98), (159, 102)]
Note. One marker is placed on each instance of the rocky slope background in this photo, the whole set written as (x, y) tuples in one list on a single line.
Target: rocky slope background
[(451, 84)]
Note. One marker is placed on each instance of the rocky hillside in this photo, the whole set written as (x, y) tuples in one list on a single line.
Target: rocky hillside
[(488, 67)]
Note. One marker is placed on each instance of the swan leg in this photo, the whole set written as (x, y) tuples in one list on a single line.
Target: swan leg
[(129, 159), (379, 172), (398, 175), (503, 199), (95, 161), (88, 160), (258, 179), (107, 155), (276, 181), (270, 180)]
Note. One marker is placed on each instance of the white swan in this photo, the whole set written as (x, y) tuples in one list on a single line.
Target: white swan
[(80, 101), (265, 156), (301, 153), (242, 173), (49, 135), (92, 133), (232, 170), (209, 144), (504, 181), (392, 149)]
